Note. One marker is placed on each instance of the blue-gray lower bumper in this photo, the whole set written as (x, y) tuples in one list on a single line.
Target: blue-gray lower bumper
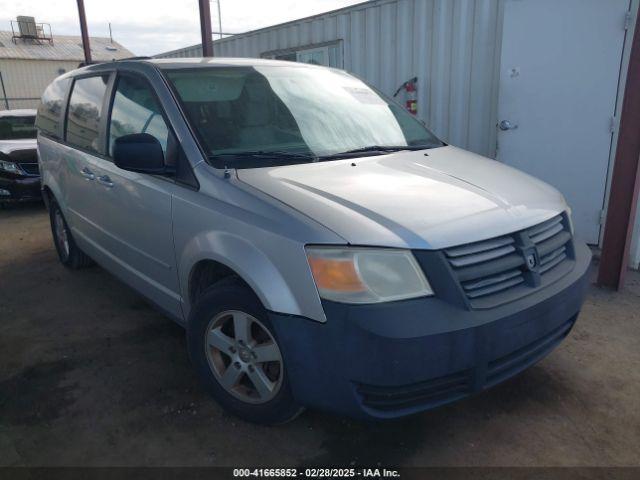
[(390, 360)]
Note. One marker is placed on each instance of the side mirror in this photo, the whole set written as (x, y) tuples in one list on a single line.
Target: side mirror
[(139, 152)]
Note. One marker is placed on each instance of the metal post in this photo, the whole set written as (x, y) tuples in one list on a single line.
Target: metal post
[(205, 28), (219, 19), (85, 35), (625, 181), (4, 92)]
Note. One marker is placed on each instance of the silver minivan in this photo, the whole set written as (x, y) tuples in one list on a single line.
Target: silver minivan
[(321, 247)]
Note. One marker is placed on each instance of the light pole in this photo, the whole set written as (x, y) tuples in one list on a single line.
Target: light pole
[(219, 19)]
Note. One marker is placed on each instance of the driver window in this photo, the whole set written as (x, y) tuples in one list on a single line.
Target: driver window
[(136, 110)]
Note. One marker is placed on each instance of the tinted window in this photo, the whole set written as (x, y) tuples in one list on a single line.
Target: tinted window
[(50, 109), (136, 110), (16, 128), (85, 111)]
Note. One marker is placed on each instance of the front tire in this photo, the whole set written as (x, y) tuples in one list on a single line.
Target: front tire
[(69, 253), (237, 357)]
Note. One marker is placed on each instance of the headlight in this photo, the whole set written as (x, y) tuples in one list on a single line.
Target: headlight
[(9, 167), (366, 275)]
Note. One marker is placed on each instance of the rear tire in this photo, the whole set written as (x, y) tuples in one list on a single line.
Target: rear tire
[(235, 352), (69, 253)]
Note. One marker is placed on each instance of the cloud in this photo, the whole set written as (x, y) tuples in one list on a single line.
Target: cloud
[(147, 27)]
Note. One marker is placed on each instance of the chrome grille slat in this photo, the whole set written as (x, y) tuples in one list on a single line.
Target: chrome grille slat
[(556, 253), (541, 237), (553, 243), (556, 261), (496, 288), (478, 247), (502, 264), (482, 257), (491, 280), (533, 231)]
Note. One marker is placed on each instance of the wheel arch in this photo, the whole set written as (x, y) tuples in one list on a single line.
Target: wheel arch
[(47, 196), (201, 266), (207, 272)]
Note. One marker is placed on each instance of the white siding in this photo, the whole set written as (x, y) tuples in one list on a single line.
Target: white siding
[(28, 79), (452, 46)]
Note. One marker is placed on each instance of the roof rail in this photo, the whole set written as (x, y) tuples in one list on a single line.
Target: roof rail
[(132, 58), (85, 64)]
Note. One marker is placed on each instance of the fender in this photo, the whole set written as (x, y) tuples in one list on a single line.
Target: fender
[(251, 264)]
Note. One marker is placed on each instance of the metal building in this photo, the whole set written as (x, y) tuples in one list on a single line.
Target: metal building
[(31, 57), (536, 84)]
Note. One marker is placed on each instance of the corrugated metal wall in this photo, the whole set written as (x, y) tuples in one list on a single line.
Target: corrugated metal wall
[(28, 79), (186, 52), (452, 46)]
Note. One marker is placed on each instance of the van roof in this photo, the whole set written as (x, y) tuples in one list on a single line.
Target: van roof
[(200, 62), (221, 62)]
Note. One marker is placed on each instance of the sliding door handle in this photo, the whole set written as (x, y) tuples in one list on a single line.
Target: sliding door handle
[(105, 180), (88, 174)]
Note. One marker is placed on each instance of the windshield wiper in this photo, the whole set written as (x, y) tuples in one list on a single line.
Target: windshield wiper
[(229, 158), (378, 149), (264, 154)]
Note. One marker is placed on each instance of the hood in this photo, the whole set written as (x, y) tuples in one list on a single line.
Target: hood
[(9, 146), (426, 199)]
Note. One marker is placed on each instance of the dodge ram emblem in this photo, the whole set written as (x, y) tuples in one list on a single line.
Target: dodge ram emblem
[(531, 261)]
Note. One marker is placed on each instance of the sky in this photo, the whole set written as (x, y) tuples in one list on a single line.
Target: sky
[(147, 27)]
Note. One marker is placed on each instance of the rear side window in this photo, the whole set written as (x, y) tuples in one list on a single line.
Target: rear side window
[(136, 110), (85, 112), (51, 106)]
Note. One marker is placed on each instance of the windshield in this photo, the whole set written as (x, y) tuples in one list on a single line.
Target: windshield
[(17, 128), (261, 116)]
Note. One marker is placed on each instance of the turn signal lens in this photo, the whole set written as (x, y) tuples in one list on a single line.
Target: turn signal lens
[(366, 275), (337, 275)]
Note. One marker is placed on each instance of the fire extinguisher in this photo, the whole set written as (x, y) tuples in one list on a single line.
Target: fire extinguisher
[(410, 89)]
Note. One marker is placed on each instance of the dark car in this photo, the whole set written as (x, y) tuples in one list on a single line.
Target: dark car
[(19, 172)]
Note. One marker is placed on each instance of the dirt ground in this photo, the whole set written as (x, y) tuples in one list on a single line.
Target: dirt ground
[(91, 375)]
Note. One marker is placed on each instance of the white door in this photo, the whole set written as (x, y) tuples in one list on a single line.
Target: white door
[(559, 74)]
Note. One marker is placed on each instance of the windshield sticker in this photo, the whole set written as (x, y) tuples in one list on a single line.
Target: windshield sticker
[(364, 95)]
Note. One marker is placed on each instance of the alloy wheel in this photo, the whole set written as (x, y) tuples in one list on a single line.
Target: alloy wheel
[(62, 238), (244, 356)]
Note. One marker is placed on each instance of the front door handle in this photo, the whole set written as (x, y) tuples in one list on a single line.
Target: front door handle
[(88, 174), (105, 180)]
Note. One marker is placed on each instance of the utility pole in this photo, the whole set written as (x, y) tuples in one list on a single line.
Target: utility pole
[(85, 33), (219, 19), (205, 28)]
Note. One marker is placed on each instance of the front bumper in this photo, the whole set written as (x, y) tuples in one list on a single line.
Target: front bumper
[(18, 189), (390, 360)]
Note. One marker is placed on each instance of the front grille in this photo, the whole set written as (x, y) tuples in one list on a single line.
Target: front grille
[(431, 393), (495, 271), (551, 240), (30, 168)]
